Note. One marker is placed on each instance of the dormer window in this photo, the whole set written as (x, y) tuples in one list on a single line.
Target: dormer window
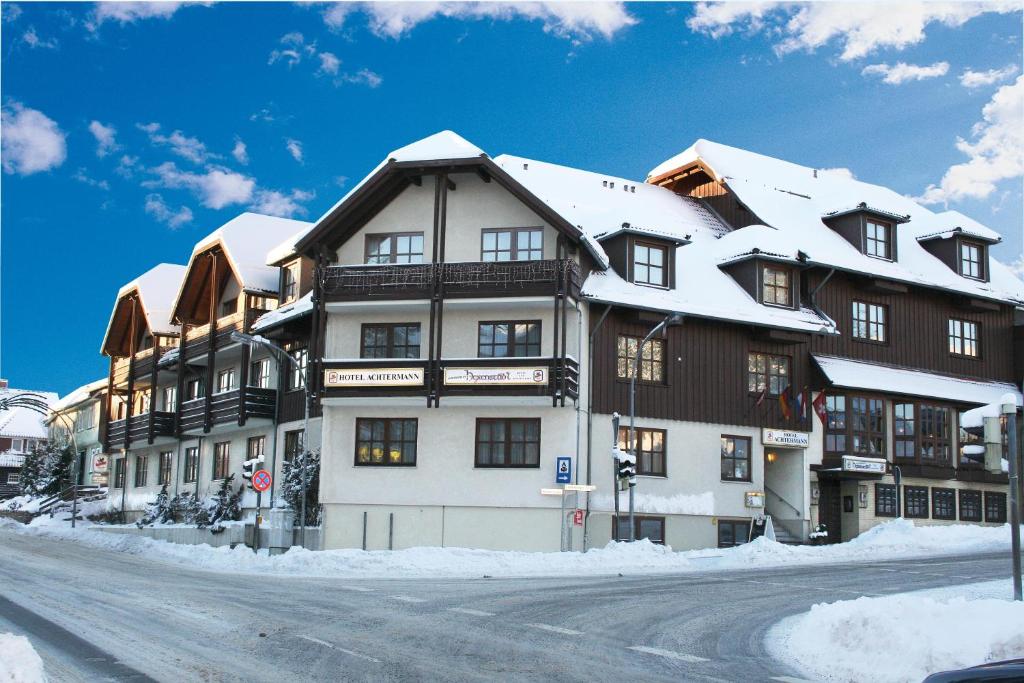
[(776, 287), (289, 283), (878, 239), (649, 264), (972, 260)]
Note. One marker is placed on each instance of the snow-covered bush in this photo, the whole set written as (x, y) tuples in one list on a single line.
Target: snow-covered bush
[(291, 487), (160, 511), (226, 506), (46, 470), (186, 508)]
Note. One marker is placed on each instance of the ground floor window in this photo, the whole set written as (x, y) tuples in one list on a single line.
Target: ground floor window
[(292, 444), (943, 503), (970, 506), (995, 507), (886, 504), (650, 456), (733, 532), (164, 476), (651, 528), (386, 442), (191, 465), (141, 470), (915, 502), (255, 447), (735, 458), (119, 473), (507, 442), (221, 459)]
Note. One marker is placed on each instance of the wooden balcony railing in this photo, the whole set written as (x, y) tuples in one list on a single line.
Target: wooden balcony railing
[(459, 280), (138, 429), (192, 414)]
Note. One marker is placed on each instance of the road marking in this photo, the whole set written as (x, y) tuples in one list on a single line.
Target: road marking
[(350, 653), (556, 629), (471, 612), (682, 657), (406, 598), (358, 589)]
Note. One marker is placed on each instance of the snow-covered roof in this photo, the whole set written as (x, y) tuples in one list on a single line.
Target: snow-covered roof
[(23, 422), (11, 460), (974, 418), (794, 198), (157, 289), (852, 374), (79, 395), (246, 240), (295, 309), (285, 250), (949, 223)]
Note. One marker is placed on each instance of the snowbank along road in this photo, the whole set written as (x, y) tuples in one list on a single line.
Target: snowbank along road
[(96, 615)]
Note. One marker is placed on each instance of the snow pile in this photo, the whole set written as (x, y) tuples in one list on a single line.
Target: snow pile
[(903, 637), (23, 503), (899, 538), (679, 504), (19, 662)]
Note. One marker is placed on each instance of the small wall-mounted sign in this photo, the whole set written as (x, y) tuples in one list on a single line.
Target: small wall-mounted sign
[(500, 376), (373, 377), (99, 463), (755, 499), (853, 463), (785, 438)]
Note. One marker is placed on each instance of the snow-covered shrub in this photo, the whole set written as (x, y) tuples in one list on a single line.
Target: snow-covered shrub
[(188, 509), (46, 470), (160, 511), (226, 506), (291, 487)]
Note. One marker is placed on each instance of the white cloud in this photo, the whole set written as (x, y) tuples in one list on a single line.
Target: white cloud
[(576, 21), (126, 166), (184, 146), (32, 39), (329, 63), (216, 188), (31, 141), (294, 48), (901, 72), (276, 203), (977, 79), (294, 148), (240, 152), (995, 151), (106, 141), (860, 27), (81, 176), (841, 172), (361, 77), (130, 12), (10, 11), (156, 206), (1018, 267)]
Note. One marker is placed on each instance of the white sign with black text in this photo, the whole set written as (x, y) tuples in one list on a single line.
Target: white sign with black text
[(500, 376), (852, 463), (374, 377), (785, 438)]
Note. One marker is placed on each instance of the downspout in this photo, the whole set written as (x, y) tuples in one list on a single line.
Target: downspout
[(590, 419)]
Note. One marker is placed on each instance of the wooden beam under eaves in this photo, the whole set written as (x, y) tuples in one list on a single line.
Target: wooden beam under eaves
[(484, 175), (451, 185)]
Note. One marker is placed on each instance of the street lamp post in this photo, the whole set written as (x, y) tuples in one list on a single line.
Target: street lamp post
[(670, 320), (1009, 410)]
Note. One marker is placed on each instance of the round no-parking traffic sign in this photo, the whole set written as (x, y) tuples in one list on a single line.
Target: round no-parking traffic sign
[(261, 480)]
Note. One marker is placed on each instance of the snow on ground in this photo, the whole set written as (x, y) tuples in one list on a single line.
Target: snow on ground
[(903, 637), (895, 539), (19, 662)]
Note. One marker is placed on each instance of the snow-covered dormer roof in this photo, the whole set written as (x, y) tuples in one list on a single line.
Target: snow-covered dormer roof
[(793, 199), (157, 291)]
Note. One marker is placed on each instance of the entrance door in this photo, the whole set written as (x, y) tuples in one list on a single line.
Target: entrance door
[(830, 510), (81, 468)]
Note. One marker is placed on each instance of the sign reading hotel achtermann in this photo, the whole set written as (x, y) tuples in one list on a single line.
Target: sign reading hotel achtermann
[(374, 377)]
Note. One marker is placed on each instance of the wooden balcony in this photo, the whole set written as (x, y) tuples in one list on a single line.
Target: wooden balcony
[(139, 430), (192, 414), (457, 280), (227, 407)]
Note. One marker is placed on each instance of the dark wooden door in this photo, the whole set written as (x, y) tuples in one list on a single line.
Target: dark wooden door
[(830, 509)]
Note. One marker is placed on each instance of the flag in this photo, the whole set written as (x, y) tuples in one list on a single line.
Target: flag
[(819, 408), (787, 411), (801, 404), (761, 398)]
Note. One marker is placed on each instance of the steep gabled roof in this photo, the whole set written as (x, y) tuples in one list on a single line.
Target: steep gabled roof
[(794, 198), (156, 290), (22, 422)]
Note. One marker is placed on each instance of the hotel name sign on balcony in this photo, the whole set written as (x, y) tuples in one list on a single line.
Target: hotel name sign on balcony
[(496, 376), (374, 377)]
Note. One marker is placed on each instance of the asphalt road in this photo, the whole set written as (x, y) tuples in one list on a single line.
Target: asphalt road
[(94, 615)]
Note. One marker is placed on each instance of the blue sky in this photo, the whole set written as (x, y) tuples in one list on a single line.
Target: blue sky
[(132, 130)]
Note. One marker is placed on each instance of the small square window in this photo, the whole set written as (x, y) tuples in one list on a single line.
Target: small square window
[(878, 239), (775, 286), (650, 264)]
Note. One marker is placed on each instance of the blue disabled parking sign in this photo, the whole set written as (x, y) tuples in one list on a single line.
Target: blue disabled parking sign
[(563, 469)]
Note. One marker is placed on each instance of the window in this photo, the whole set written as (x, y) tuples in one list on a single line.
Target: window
[(297, 370), (195, 388), (867, 425), (262, 303), (651, 528), (971, 259), (652, 360), (513, 244), (935, 440), (386, 442), (255, 447), (191, 465), (885, 501), (733, 532), (141, 403), (735, 458), (651, 454), (508, 339), (904, 430), (119, 473), (869, 322), (963, 338), (775, 288), (397, 340), (915, 502), (13, 478), (221, 459), (259, 373), (970, 506), (835, 424), (765, 371), (141, 470), (508, 442), (164, 475), (877, 241), (170, 399), (399, 247), (289, 283), (995, 507), (649, 261), (229, 307), (225, 380), (293, 444), (943, 503)]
